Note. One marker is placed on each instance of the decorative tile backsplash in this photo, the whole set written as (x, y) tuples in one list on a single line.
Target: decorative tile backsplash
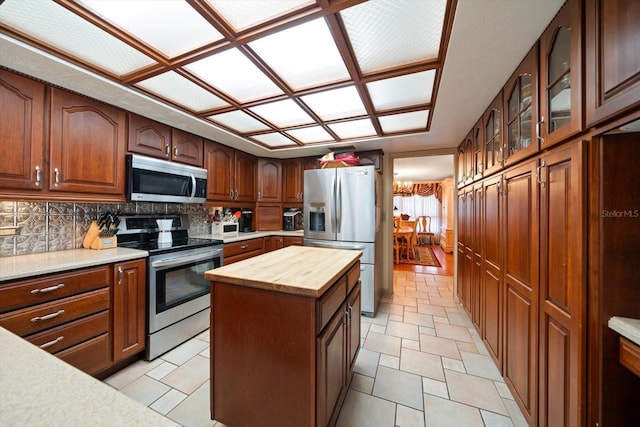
[(57, 226)]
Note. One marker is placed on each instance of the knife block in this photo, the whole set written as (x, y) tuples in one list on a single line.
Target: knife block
[(92, 239)]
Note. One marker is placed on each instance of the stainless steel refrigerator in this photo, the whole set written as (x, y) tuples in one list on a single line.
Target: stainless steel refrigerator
[(340, 211)]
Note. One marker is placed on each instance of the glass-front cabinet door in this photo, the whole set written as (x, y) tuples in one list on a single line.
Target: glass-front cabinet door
[(493, 147), (478, 146), (560, 76), (521, 105)]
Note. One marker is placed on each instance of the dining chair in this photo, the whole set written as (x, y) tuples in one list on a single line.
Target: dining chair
[(413, 240), (423, 229)]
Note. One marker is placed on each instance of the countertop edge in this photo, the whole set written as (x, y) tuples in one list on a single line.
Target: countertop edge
[(252, 235), (627, 327), (40, 389), (26, 266)]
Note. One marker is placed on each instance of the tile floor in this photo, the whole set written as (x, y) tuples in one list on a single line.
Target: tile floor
[(421, 364)]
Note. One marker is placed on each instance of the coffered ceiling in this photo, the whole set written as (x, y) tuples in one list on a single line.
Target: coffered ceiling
[(281, 77)]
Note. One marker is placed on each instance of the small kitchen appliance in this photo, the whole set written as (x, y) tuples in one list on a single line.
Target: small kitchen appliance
[(292, 220), (246, 221)]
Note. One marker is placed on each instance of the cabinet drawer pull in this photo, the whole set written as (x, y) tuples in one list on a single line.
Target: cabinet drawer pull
[(244, 247), (38, 175), (52, 342), (47, 316), (49, 289)]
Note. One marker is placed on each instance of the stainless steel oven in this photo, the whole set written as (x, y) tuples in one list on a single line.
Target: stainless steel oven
[(178, 296)]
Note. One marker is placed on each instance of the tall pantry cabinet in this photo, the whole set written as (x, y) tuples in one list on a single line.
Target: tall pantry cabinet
[(522, 228)]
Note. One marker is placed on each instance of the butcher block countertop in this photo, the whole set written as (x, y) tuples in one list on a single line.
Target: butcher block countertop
[(298, 270)]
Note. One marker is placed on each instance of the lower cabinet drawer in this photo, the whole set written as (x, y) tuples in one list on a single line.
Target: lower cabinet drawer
[(91, 356), (242, 247), (72, 333), (43, 316), (236, 258)]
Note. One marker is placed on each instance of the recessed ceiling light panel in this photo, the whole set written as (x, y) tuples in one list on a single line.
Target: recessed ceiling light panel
[(402, 91), (243, 14), (336, 104), (177, 89), (283, 113), (416, 120), (239, 121)]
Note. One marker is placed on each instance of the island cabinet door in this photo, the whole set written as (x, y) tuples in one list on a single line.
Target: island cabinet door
[(353, 333), (331, 368)]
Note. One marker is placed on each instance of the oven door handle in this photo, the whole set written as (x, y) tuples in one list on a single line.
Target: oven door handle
[(181, 260)]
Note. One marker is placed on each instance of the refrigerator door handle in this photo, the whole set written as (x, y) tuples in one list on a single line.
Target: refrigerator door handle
[(339, 205)]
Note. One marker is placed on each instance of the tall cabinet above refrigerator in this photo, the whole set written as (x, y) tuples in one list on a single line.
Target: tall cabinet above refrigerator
[(340, 211)]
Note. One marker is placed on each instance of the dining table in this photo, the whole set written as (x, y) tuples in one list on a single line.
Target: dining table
[(404, 232)]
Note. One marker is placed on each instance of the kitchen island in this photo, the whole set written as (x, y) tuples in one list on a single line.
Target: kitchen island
[(285, 333)]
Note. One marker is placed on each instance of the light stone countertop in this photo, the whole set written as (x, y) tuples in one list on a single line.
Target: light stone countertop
[(23, 266), (627, 327), (299, 270), (38, 389), (253, 235)]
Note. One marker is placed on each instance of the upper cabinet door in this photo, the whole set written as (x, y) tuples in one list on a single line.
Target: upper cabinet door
[(269, 180), (521, 108), (477, 163), (87, 149), (186, 148), (149, 137), (560, 76), (292, 177), (493, 144), (219, 160), (245, 177), (612, 58), (21, 132), (462, 165)]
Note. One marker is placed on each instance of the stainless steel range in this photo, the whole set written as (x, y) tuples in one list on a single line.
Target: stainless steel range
[(178, 297)]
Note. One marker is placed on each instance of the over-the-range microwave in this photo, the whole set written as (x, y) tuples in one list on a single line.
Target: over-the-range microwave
[(155, 180)]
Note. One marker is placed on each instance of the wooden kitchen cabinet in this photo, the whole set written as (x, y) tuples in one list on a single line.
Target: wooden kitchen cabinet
[(521, 110), (238, 251), (129, 302), (370, 157), (148, 137), (293, 178), (492, 267), (493, 137), (310, 358), (612, 59), (161, 141), (232, 173), (23, 164), (561, 114), (66, 314), (272, 243), (477, 156), (521, 210), (186, 148), (269, 181), (293, 240), (562, 357), (476, 262), (87, 146), (462, 164)]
